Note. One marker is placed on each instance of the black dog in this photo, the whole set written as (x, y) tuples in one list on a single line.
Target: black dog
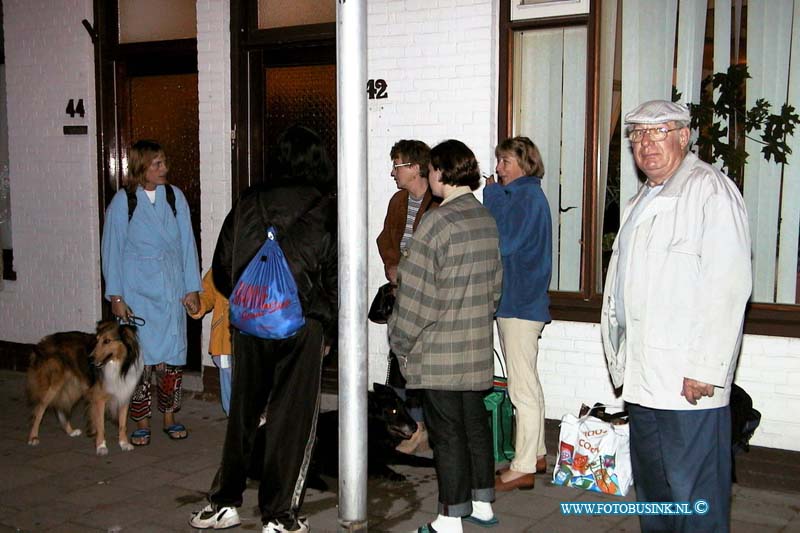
[(388, 423), (744, 421)]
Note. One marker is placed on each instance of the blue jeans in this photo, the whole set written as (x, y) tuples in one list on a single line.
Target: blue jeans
[(682, 456), (225, 372)]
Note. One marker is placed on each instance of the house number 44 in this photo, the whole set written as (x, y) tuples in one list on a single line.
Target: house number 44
[(376, 89), (73, 109)]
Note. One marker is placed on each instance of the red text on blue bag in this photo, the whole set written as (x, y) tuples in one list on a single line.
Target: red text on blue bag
[(264, 302)]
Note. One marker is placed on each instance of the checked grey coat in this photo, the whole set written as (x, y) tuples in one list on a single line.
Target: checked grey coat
[(449, 287)]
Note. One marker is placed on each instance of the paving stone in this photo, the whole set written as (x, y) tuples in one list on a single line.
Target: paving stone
[(62, 461), (17, 475), (99, 494), (556, 523), (145, 478), (46, 490), (201, 478), (793, 526), (46, 515)]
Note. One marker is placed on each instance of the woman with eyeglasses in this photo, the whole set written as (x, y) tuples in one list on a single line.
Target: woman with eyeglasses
[(410, 160), (442, 332)]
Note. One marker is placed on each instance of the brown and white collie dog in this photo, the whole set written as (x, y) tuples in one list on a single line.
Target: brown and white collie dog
[(103, 368)]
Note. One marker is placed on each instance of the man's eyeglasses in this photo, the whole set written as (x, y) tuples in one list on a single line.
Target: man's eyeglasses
[(395, 166), (654, 134)]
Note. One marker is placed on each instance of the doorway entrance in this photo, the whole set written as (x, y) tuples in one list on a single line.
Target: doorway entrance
[(283, 74), (148, 90), (162, 104)]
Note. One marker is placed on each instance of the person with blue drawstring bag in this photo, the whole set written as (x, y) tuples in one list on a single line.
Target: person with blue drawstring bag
[(276, 261)]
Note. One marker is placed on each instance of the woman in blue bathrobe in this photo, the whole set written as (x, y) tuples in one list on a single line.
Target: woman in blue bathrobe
[(151, 270)]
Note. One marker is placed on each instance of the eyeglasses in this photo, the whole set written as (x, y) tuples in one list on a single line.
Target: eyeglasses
[(654, 134), (395, 166)]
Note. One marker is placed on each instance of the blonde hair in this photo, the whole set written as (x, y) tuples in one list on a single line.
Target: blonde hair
[(140, 157), (525, 152)]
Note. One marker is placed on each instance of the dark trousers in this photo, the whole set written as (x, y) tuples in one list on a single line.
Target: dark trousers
[(682, 456), (283, 376), (411, 397), (458, 429)]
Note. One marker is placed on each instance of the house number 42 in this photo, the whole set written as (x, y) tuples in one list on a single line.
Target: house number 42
[(376, 89)]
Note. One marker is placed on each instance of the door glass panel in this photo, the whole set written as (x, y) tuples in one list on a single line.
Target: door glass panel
[(283, 13), (165, 108), (305, 96), (550, 108), (157, 20)]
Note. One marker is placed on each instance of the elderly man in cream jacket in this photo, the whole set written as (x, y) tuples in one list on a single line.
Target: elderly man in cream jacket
[(673, 308)]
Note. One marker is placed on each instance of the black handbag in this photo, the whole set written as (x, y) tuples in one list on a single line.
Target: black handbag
[(382, 304)]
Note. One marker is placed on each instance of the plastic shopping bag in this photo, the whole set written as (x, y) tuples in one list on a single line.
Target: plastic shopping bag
[(594, 454), (264, 302)]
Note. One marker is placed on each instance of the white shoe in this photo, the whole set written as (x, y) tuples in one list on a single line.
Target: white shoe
[(222, 518), (277, 527)]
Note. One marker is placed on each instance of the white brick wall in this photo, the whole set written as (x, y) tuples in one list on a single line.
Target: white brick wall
[(49, 59), (214, 90), (573, 371), (437, 58)]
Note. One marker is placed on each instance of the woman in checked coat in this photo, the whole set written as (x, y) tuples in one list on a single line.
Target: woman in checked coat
[(441, 330)]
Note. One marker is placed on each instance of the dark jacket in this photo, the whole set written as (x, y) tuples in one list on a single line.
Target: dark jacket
[(305, 222)]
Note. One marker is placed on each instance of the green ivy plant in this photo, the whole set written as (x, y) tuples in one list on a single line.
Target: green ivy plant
[(725, 124)]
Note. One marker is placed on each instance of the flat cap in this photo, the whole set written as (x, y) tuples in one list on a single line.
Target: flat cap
[(658, 112)]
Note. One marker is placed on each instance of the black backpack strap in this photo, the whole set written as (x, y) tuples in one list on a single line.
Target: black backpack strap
[(170, 200), (131, 203)]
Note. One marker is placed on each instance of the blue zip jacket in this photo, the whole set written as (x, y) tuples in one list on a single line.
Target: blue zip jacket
[(526, 246)]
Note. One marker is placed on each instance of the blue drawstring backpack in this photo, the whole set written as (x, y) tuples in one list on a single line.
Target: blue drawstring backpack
[(264, 302)]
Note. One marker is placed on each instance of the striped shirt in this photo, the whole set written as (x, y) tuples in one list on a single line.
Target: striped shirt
[(411, 216)]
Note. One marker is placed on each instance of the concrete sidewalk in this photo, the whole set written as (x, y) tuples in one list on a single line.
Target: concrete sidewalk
[(61, 486)]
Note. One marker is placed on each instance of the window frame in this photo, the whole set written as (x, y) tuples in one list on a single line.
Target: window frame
[(583, 305), (781, 320), (252, 49)]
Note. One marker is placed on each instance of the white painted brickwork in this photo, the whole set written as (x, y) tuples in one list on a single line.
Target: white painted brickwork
[(437, 59), (50, 59), (572, 370), (214, 90)]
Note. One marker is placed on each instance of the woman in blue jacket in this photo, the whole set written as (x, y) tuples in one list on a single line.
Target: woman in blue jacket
[(151, 271), (523, 219)]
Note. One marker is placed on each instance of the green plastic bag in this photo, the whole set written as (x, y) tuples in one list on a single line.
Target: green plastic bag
[(499, 405)]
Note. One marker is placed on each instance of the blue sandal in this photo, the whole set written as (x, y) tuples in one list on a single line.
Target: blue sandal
[(176, 431), (142, 435)]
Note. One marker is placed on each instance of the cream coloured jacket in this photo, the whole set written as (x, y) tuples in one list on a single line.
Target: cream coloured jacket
[(687, 282)]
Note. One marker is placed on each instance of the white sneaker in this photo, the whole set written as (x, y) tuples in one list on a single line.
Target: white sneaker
[(277, 527), (222, 518)]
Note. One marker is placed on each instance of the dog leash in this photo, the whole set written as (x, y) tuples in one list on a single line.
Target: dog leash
[(132, 320)]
